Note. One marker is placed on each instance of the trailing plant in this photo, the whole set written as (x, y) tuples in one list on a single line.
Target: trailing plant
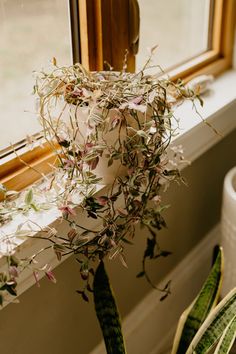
[(103, 127)]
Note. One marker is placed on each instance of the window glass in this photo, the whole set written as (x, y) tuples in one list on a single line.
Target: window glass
[(32, 32), (180, 28)]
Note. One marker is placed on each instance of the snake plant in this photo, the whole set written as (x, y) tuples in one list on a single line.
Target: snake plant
[(194, 316), (107, 312), (203, 327), (204, 324)]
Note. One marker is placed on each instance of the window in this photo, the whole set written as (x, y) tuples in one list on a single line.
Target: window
[(194, 37), (31, 34), (182, 30), (209, 22)]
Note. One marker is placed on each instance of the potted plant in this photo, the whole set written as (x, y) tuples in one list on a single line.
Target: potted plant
[(204, 326), (110, 128)]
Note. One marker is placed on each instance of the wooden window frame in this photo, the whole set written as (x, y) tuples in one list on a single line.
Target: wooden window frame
[(20, 171), (105, 38), (219, 57)]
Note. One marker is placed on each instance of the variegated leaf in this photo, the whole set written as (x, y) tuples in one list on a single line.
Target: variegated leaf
[(227, 340), (214, 326), (196, 313), (107, 312)]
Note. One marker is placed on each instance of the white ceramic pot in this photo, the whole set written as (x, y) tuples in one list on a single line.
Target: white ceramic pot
[(78, 124), (228, 227)]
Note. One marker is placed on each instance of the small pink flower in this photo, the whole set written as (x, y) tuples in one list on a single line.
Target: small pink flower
[(115, 122), (122, 212), (102, 200), (50, 276), (88, 146), (137, 100), (77, 92), (157, 199), (66, 211), (93, 163), (134, 104), (36, 277), (68, 164), (13, 271), (71, 234), (130, 171)]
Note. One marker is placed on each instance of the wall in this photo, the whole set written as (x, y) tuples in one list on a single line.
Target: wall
[(54, 320)]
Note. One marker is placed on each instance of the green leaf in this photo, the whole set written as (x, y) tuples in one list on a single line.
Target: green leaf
[(213, 327), (85, 297), (29, 197), (11, 289), (110, 162), (14, 261), (200, 100), (197, 312), (140, 274), (35, 207), (151, 244), (127, 241), (142, 133), (227, 340), (107, 312)]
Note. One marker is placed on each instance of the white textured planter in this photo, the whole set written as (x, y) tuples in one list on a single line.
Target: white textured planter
[(79, 117), (228, 227), (76, 123)]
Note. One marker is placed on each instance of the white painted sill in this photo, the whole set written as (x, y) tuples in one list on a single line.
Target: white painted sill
[(195, 136), (219, 110)]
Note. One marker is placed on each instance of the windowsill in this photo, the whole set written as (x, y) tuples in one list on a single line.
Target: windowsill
[(195, 136), (218, 110)]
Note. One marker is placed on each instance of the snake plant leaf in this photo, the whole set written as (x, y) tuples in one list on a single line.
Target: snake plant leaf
[(213, 327), (107, 312), (193, 317), (227, 340)]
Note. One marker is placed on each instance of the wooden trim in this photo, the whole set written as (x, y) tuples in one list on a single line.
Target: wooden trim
[(85, 34), (119, 35), (219, 58), (75, 30), (229, 21), (24, 170), (28, 157), (197, 63), (217, 24), (91, 34), (107, 37), (210, 24), (105, 27), (214, 68)]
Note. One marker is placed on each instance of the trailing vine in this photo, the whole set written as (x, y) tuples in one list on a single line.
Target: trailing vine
[(100, 125)]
